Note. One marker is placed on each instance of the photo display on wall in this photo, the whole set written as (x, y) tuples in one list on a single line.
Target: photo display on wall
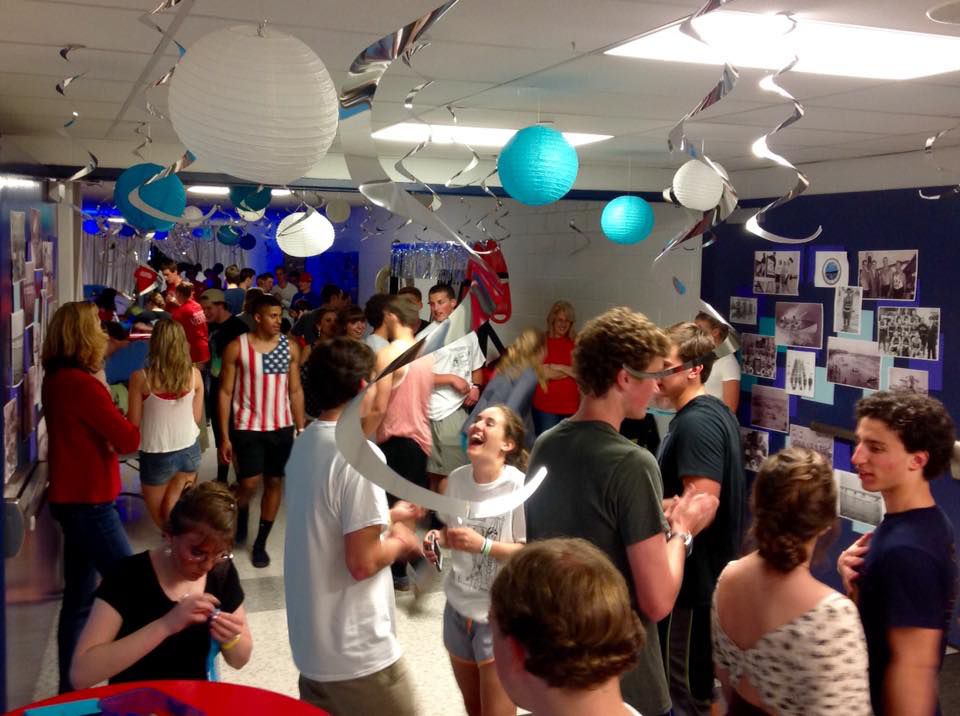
[(804, 437), (759, 355), (831, 269), (913, 381), (888, 275), (799, 324), (801, 373), (743, 310), (856, 503), (776, 273), (853, 362), (847, 309), (769, 408), (909, 332), (756, 447)]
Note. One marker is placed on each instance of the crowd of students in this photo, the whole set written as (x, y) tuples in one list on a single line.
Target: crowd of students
[(628, 582)]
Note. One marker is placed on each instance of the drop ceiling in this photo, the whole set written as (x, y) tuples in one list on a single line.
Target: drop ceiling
[(499, 63)]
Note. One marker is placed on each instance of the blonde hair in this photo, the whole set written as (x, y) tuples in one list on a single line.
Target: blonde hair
[(525, 352), (168, 366), (566, 308), (74, 338)]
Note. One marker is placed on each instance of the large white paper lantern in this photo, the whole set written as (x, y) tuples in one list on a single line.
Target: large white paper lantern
[(697, 186), (338, 210), (260, 108), (309, 237)]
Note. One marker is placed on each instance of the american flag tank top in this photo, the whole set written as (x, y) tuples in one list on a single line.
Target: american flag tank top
[(261, 397)]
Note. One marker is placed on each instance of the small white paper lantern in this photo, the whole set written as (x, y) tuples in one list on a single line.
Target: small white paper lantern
[(310, 237), (251, 216), (260, 108), (192, 215), (697, 186), (338, 210)]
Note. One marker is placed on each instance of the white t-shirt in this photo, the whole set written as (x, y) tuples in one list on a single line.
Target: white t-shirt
[(467, 583), (724, 369), (285, 294), (376, 343), (461, 358), (339, 628)]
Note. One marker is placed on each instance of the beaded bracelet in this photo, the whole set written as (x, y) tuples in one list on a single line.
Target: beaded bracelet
[(487, 547), (228, 645)]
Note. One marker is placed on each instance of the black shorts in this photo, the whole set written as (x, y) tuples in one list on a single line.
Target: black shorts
[(261, 453), (406, 458)]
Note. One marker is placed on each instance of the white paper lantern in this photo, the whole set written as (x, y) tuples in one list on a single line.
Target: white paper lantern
[(697, 186), (191, 215), (251, 216), (338, 210), (309, 237), (260, 108)]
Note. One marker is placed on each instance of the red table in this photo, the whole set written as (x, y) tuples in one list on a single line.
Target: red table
[(211, 697)]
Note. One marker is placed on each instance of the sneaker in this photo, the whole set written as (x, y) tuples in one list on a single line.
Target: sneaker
[(259, 556), (401, 584)]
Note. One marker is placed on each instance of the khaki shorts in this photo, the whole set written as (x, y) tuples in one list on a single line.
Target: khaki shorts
[(388, 691), (447, 453)]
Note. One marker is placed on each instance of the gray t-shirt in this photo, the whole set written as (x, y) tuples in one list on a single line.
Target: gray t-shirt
[(605, 489)]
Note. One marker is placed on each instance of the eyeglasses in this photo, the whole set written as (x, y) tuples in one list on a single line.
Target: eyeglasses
[(195, 554)]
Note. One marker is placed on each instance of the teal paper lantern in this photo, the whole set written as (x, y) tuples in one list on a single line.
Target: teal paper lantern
[(247, 197), (166, 195), (228, 236), (627, 220), (537, 166)]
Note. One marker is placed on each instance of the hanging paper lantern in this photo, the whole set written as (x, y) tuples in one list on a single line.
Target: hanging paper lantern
[(167, 196), (627, 220), (90, 226), (161, 235), (251, 216), (247, 242), (191, 215), (309, 237), (250, 198), (537, 166), (127, 231), (697, 186), (273, 135), (228, 236), (338, 210)]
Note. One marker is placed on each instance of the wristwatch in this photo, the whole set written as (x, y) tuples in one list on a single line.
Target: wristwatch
[(686, 537)]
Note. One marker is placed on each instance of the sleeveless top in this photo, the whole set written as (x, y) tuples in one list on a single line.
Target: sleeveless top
[(167, 424), (814, 665), (406, 415), (261, 394)]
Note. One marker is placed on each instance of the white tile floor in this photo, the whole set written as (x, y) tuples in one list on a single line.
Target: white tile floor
[(271, 666)]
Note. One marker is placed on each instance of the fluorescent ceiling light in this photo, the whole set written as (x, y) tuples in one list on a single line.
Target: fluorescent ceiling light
[(116, 220), (474, 136), (825, 48), (14, 183), (279, 192), (209, 190)]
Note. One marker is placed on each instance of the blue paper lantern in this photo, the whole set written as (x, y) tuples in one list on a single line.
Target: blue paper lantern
[(90, 226), (161, 235), (228, 236), (627, 220), (127, 231), (537, 166), (247, 242), (167, 195), (248, 198)]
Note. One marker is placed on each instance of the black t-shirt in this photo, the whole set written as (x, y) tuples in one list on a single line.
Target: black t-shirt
[(909, 579), (227, 332), (704, 440), (132, 588)]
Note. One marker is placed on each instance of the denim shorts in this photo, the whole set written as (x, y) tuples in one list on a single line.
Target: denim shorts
[(466, 640), (157, 468)]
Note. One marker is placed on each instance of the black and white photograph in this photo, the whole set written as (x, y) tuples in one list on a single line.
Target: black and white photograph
[(769, 408), (854, 363), (759, 355), (799, 324), (756, 448), (776, 272), (28, 294), (11, 436), (16, 347), (48, 263), (801, 373), (743, 310), (847, 307), (18, 244), (913, 381), (856, 503), (890, 275), (804, 437), (909, 332)]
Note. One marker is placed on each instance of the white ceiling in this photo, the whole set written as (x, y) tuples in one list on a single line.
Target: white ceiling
[(500, 62)]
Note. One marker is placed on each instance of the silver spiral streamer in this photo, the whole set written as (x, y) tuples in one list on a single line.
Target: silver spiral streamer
[(928, 152)]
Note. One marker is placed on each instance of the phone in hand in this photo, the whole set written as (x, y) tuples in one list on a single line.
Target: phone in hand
[(435, 548)]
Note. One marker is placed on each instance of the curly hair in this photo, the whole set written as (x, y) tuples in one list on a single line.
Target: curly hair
[(168, 367), (619, 337), (566, 308), (922, 423), (208, 505), (74, 339), (794, 499), (568, 606), (693, 342)]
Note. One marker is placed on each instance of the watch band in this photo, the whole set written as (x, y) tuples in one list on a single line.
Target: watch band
[(686, 537)]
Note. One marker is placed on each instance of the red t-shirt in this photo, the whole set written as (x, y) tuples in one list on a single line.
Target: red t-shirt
[(86, 433), (190, 316), (562, 397)]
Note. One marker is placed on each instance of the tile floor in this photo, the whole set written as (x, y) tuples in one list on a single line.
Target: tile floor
[(271, 666)]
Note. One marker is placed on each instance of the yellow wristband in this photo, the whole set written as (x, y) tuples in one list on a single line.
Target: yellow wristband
[(228, 645)]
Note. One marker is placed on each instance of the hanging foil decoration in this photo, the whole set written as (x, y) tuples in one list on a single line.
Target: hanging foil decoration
[(573, 225), (677, 141), (440, 261), (928, 152), (61, 87), (762, 149), (142, 131)]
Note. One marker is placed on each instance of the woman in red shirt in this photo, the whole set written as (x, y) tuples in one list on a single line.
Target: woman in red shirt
[(85, 432), (561, 398)]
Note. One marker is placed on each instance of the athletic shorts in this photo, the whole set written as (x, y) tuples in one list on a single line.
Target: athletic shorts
[(388, 691), (158, 468), (406, 458), (262, 453), (448, 450), (466, 640)]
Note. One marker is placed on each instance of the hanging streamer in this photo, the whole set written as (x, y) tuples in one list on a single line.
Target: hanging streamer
[(92, 161), (928, 152), (573, 225)]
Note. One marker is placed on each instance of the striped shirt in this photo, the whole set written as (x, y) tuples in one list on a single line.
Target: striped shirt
[(261, 398)]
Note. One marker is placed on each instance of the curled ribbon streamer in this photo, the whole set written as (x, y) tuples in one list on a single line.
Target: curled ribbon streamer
[(366, 171), (143, 131), (928, 151), (147, 19), (761, 149), (573, 225), (92, 161)]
